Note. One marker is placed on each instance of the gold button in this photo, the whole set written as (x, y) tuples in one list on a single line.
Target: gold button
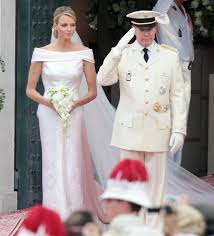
[(147, 79), (146, 113), (147, 102), (146, 90)]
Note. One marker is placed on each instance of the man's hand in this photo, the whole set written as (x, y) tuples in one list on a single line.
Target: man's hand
[(123, 42), (176, 141)]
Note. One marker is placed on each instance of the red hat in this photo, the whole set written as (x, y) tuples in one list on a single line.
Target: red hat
[(42, 221), (128, 182)]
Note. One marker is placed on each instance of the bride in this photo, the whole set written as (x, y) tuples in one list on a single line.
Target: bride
[(67, 170)]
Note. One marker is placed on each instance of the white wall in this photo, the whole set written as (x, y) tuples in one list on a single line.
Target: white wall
[(8, 198)]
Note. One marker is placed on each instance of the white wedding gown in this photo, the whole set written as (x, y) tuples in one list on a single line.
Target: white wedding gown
[(67, 171)]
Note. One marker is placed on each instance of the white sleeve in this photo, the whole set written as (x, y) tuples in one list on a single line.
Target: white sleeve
[(107, 74), (162, 6), (177, 98)]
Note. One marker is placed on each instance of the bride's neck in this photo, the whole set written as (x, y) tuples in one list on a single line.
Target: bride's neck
[(63, 44)]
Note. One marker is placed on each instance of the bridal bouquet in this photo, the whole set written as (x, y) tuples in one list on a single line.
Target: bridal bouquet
[(62, 99)]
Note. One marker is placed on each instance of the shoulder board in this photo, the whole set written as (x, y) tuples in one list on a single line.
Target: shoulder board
[(128, 45), (169, 47)]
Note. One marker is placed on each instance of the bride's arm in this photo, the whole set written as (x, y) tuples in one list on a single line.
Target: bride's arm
[(90, 75), (33, 77)]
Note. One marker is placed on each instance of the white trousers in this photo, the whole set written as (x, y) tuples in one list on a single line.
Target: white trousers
[(177, 157), (156, 163)]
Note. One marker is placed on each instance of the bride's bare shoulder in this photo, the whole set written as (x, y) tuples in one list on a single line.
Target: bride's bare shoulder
[(80, 47), (48, 47)]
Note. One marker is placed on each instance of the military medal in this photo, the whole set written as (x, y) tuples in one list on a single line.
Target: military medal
[(128, 76), (157, 107), (162, 90), (165, 108)]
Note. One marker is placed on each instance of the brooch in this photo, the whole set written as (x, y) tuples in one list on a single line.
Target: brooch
[(157, 107)]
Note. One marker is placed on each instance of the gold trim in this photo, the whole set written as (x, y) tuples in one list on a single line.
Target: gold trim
[(145, 23)]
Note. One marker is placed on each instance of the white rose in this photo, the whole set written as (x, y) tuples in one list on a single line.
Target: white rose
[(194, 4), (115, 7), (198, 13), (198, 21), (205, 2)]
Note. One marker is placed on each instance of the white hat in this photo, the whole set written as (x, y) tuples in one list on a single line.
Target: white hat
[(147, 19), (128, 182)]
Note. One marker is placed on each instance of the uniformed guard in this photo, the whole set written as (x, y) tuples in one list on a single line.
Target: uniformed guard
[(179, 34), (151, 115)]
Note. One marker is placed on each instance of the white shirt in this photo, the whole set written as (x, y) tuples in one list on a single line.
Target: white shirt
[(180, 24), (151, 48)]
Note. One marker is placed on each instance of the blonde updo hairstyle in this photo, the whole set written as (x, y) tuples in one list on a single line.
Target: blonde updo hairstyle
[(189, 220), (60, 11)]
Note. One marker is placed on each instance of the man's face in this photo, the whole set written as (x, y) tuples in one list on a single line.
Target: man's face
[(117, 207), (145, 37)]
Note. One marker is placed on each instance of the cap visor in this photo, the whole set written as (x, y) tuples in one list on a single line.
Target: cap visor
[(145, 27)]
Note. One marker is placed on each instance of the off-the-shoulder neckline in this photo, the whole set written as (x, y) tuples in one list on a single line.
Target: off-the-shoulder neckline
[(43, 49)]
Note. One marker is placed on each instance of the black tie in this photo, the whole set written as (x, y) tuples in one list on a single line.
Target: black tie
[(146, 56)]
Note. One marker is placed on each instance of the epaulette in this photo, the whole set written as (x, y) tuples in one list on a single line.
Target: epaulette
[(169, 47)]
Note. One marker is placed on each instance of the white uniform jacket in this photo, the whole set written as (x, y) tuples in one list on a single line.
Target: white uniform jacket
[(152, 100)]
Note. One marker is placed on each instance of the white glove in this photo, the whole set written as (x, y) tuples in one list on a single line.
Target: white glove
[(123, 42), (176, 141)]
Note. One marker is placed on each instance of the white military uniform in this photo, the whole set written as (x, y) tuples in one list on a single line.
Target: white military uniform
[(179, 35), (152, 106)]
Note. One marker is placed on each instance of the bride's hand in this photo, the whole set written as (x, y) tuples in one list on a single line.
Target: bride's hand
[(49, 104), (73, 106)]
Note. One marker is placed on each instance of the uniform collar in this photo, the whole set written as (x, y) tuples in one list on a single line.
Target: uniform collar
[(151, 47), (154, 54)]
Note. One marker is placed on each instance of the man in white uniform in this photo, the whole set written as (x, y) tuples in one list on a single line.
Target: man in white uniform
[(151, 115), (178, 34)]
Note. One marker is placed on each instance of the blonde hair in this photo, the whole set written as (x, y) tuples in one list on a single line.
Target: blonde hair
[(189, 220), (60, 11)]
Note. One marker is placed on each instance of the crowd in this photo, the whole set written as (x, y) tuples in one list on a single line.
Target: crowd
[(129, 208)]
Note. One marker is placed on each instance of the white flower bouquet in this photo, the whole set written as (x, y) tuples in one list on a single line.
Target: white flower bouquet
[(62, 99)]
